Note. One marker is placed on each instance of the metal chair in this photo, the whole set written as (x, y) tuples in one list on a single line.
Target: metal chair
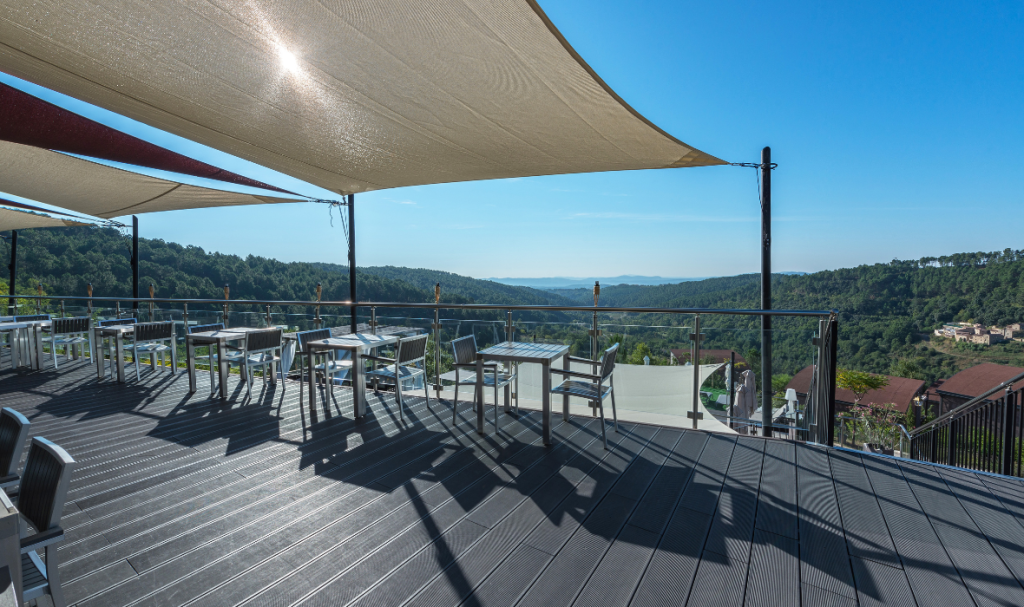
[(44, 488), (408, 352), (210, 356), (28, 344), (494, 374), (31, 317), (260, 347), (593, 389), (69, 332), (334, 363), (154, 339), (13, 435)]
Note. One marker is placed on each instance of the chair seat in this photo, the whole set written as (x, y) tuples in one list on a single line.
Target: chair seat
[(32, 579), (580, 389), (389, 372), (490, 379), (69, 340), (152, 347), (252, 359), (334, 366)]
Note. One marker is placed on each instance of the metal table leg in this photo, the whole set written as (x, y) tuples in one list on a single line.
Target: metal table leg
[(312, 381), (358, 385), (222, 363), (190, 364), (545, 398), (119, 363), (478, 395), (565, 397)]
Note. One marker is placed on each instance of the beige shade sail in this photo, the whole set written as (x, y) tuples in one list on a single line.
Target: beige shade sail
[(351, 96), (12, 219), (102, 191)]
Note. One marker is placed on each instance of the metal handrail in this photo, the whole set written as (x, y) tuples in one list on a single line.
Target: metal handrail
[(441, 306), (975, 403)]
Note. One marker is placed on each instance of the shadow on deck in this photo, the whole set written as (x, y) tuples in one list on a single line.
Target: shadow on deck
[(182, 499)]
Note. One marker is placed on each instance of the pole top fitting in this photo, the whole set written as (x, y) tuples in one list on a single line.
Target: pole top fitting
[(437, 293), (597, 292), (151, 290)]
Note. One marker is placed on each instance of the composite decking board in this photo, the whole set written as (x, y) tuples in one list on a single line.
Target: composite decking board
[(347, 519), (776, 502), (152, 456), (863, 524), (824, 559), (671, 570), (1000, 527), (398, 573), (446, 586), (733, 525), (661, 498), (508, 580), (154, 546), (930, 572), (982, 569), (881, 585), (774, 574)]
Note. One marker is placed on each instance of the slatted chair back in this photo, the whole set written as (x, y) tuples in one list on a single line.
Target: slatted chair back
[(412, 349), (465, 350), (217, 326), (258, 341), (305, 337), (13, 434), (115, 322), (31, 317), (44, 486), (608, 361), (64, 326), (153, 331)]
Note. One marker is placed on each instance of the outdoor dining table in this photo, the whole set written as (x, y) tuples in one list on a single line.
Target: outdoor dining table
[(522, 352), (218, 338), (356, 344), (116, 333)]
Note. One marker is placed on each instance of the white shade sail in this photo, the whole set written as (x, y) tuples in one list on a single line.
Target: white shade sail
[(102, 191), (11, 219), (351, 96)]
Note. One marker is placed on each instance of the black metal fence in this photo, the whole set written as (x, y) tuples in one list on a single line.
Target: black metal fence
[(983, 434)]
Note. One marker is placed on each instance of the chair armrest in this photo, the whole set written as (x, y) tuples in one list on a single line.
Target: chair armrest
[(379, 359), (585, 361), (41, 539), (593, 378)]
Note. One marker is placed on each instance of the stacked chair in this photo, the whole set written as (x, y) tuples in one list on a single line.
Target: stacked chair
[(42, 491)]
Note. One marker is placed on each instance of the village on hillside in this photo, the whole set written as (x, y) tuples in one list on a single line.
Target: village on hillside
[(979, 334)]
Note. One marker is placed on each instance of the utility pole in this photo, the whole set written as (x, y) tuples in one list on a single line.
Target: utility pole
[(766, 290)]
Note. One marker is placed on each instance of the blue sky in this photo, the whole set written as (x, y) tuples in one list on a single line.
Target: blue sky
[(896, 127)]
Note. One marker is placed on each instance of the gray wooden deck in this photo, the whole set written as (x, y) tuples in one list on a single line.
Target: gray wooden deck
[(183, 500)]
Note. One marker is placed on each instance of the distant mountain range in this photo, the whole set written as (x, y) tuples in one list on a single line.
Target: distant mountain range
[(561, 282)]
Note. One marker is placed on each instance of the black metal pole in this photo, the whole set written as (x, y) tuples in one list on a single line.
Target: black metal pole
[(13, 267), (135, 264), (352, 256), (833, 352), (766, 290)]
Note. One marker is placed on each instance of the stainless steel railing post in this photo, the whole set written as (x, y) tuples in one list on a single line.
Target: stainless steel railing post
[(696, 414), (227, 293), (436, 326)]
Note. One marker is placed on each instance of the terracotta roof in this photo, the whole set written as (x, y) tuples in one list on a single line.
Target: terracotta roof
[(718, 356), (900, 391), (979, 379)]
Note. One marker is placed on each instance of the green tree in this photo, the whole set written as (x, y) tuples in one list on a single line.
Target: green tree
[(859, 382)]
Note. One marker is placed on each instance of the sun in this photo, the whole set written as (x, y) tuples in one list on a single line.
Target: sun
[(288, 59)]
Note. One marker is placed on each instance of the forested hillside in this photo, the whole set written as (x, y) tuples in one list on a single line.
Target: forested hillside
[(886, 311), (66, 260)]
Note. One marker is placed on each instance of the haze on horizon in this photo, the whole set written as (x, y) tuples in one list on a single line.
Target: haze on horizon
[(896, 128)]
